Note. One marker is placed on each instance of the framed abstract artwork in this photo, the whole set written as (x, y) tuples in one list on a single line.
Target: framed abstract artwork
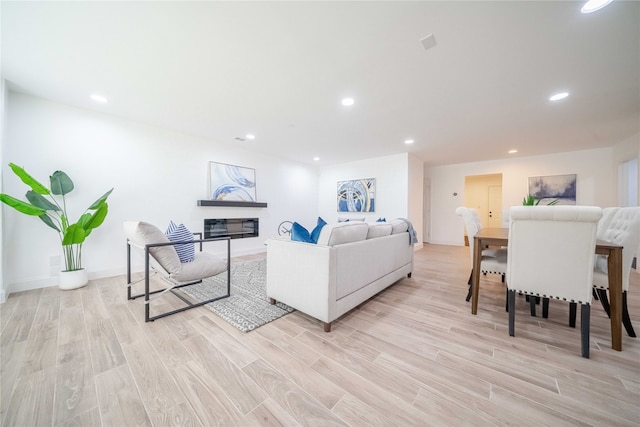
[(357, 195), (554, 187), (231, 183)]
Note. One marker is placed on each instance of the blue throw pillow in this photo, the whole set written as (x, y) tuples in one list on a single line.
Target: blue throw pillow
[(180, 233), (316, 231), (301, 234), (381, 220)]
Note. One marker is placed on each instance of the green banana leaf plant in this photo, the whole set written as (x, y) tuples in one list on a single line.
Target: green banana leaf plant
[(529, 200), (53, 212)]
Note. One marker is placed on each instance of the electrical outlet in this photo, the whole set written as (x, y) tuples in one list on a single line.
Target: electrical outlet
[(54, 261)]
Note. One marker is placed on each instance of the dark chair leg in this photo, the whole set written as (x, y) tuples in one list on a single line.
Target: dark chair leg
[(469, 282), (545, 308), (626, 320), (595, 294), (604, 300), (585, 322), (506, 301), (409, 275), (572, 314), (327, 327), (511, 299), (272, 301), (503, 278), (532, 304)]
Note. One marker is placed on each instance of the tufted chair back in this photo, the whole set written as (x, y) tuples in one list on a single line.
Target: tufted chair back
[(603, 224), (550, 251), (623, 229)]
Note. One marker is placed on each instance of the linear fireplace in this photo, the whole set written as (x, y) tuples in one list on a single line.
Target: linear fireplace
[(235, 228)]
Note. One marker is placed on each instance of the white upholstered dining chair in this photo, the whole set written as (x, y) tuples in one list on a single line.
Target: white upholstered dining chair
[(603, 224), (550, 255), (623, 228), (494, 260), (161, 257)]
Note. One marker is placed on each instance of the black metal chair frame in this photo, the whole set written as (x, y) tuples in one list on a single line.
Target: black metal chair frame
[(147, 267)]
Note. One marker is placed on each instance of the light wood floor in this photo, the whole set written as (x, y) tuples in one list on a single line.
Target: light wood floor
[(412, 356)]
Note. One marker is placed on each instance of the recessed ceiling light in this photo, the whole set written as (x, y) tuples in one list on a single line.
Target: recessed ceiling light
[(559, 96), (347, 102), (512, 151), (315, 159), (593, 5), (250, 136), (408, 141), (99, 98)]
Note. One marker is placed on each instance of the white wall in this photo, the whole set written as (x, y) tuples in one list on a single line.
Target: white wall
[(415, 208), (596, 184), (158, 175), (393, 192), (623, 152), (3, 97)]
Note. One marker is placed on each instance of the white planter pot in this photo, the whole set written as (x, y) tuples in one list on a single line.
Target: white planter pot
[(73, 279)]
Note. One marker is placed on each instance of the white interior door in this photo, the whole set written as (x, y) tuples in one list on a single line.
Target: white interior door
[(495, 206)]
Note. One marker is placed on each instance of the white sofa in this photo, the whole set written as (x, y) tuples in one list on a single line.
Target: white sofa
[(351, 262)]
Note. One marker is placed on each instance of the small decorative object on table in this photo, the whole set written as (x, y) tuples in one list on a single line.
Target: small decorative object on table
[(284, 229)]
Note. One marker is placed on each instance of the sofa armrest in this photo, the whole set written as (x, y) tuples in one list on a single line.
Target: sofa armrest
[(302, 275)]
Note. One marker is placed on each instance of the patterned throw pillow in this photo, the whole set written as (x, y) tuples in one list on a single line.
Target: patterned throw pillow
[(180, 233)]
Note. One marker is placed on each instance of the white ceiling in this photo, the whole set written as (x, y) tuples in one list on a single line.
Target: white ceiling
[(279, 70)]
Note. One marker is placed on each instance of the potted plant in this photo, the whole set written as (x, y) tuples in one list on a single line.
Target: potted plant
[(53, 212), (529, 200)]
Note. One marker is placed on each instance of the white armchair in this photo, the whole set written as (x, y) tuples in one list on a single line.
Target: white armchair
[(160, 255), (550, 255), (493, 260)]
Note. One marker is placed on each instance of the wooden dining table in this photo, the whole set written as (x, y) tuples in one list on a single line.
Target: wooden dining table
[(500, 237)]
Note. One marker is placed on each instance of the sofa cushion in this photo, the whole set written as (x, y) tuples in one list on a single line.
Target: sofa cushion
[(379, 229), (141, 233), (399, 226), (343, 232)]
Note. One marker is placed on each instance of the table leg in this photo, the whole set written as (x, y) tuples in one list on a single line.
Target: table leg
[(614, 267), (475, 280)]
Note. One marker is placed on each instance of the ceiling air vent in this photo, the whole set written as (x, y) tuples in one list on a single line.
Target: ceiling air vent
[(428, 41)]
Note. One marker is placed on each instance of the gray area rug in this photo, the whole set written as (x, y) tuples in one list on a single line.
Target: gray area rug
[(248, 306)]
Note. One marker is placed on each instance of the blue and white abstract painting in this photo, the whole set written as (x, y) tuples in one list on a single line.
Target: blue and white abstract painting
[(555, 187), (231, 183), (357, 195)]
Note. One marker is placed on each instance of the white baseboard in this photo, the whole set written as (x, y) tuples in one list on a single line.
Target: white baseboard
[(45, 282), (447, 242), (27, 285)]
